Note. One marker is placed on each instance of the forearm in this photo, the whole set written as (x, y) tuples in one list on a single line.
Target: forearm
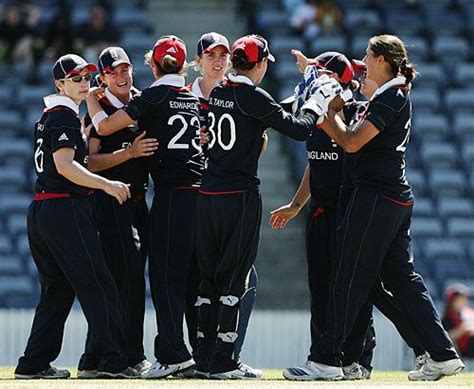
[(78, 174), (303, 193), (99, 162), (105, 126), (288, 125)]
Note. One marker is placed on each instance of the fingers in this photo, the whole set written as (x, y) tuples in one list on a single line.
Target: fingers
[(141, 136)]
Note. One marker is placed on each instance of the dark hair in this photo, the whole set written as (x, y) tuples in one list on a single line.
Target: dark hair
[(352, 85), (168, 65), (395, 53), (240, 62)]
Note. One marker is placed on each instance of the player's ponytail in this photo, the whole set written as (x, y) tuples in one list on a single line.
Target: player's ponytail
[(395, 54), (169, 65), (240, 61), (408, 70)]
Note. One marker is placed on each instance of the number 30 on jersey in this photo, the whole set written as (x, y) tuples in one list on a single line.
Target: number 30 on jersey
[(218, 135)]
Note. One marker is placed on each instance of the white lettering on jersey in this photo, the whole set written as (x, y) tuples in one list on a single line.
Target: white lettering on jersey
[(126, 145), (323, 155), (184, 105), (221, 103), (63, 137)]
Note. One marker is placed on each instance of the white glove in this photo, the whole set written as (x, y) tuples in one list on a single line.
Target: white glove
[(322, 91), (300, 93)]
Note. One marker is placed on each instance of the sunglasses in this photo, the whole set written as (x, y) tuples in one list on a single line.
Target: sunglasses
[(78, 79)]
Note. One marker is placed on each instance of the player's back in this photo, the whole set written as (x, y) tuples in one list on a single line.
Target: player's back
[(235, 137), (171, 115)]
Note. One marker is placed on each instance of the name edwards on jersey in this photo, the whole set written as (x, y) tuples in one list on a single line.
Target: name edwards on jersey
[(184, 105)]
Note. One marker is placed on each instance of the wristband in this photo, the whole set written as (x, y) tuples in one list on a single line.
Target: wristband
[(97, 118)]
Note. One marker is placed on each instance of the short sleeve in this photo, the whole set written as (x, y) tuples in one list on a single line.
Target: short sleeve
[(384, 109), (65, 130), (144, 102)]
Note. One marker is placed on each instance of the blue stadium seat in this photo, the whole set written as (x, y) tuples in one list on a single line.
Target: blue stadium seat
[(10, 119), (470, 251), (16, 223), (441, 21), (423, 207), (468, 154), (460, 99), (283, 45), (10, 285), (329, 43), (12, 176), (429, 125), (447, 182), (14, 147), (426, 227), (10, 265), (437, 154), (464, 74), (6, 246), (463, 127), (449, 207), (436, 248), (450, 49), (431, 74), (431, 286), (137, 44), (288, 72), (362, 20), (130, 17), (272, 18), (459, 227), (359, 45), (22, 246), (404, 22), (417, 46), (33, 95), (18, 203), (452, 268), (417, 180), (426, 98)]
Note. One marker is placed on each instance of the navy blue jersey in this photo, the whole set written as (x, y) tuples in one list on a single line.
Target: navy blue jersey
[(381, 162), (169, 112), (59, 127), (239, 113), (325, 160), (353, 111), (135, 170)]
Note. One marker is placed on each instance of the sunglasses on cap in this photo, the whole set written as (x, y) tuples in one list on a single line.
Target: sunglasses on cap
[(78, 78)]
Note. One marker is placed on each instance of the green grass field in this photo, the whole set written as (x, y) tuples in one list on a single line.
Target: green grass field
[(273, 379)]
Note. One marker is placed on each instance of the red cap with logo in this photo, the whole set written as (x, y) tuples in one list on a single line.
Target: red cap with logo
[(255, 48), (170, 45)]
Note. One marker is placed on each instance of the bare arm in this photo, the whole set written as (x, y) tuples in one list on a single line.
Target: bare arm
[(76, 173), (281, 216), (350, 141), (140, 148), (110, 124)]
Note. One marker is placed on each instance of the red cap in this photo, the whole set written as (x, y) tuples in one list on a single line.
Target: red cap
[(170, 45), (254, 46), (335, 62), (454, 290), (358, 66)]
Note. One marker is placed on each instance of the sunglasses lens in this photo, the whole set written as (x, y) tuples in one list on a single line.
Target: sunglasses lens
[(76, 79), (88, 77)]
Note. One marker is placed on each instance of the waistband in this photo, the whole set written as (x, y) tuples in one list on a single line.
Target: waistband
[(48, 196), (204, 192)]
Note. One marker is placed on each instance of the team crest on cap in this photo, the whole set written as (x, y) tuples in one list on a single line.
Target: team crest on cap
[(171, 50)]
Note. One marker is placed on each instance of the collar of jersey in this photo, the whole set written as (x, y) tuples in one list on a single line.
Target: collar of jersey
[(113, 99), (170, 79), (55, 100), (240, 79), (196, 88), (400, 80)]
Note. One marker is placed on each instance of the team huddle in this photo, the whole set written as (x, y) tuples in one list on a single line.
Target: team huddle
[(90, 230)]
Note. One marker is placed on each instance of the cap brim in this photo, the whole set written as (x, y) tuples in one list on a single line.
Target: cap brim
[(271, 57), (359, 66), (120, 62), (89, 66), (216, 45)]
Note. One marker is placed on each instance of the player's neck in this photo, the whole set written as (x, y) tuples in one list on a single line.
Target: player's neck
[(382, 79), (207, 85)]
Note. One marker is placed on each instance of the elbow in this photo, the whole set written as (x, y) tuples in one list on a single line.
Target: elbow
[(352, 145)]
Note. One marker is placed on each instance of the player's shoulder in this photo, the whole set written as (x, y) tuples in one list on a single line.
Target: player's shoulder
[(60, 116), (153, 94), (395, 98)]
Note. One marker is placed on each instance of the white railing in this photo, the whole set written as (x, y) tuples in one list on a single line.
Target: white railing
[(275, 339)]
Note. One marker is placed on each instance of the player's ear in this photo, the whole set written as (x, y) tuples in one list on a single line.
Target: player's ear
[(59, 85)]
